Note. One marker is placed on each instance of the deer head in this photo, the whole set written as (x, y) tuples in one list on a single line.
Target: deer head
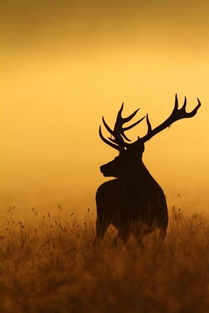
[(130, 153)]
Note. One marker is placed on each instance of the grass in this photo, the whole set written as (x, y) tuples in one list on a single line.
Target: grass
[(53, 265)]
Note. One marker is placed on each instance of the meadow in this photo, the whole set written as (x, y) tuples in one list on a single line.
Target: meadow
[(51, 263)]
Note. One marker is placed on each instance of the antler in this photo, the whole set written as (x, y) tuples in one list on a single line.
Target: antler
[(118, 133), (177, 114)]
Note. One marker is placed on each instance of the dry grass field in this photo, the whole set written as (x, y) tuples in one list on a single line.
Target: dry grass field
[(53, 265)]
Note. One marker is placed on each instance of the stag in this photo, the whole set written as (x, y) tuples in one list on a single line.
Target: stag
[(134, 203)]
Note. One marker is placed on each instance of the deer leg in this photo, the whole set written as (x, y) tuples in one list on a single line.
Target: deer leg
[(139, 239), (101, 227), (115, 241), (123, 235)]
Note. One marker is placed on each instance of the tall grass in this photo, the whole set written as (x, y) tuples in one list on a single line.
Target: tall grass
[(54, 265)]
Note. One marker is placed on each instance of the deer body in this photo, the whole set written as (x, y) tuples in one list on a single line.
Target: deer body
[(133, 202), (133, 205)]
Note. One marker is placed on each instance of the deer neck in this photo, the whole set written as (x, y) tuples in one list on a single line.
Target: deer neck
[(138, 178)]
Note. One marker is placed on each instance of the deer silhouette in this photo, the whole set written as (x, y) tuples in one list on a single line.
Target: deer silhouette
[(133, 203)]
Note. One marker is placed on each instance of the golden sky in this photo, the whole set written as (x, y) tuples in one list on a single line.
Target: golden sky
[(64, 64)]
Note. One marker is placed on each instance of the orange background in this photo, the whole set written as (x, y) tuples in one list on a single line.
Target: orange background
[(65, 64)]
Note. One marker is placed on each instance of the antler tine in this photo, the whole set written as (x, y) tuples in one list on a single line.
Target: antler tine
[(107, 141), (176, 104), (134, 124), (117, 142), (107, 126), (149, 126), (113, 133), (184, 105), (118, 133), (194, 111), (119, 129), (119, 115), (124, 120), (176, 115), (128, 118)]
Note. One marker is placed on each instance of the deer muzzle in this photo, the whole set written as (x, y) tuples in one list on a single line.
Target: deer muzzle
[(104, 170)]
